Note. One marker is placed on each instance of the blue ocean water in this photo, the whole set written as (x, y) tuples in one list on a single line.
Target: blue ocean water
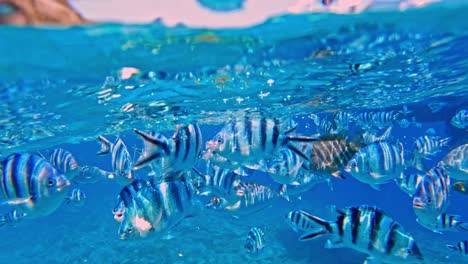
[(62, 87)]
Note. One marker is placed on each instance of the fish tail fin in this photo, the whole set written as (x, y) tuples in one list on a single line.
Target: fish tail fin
[(283, 191), (106, 146), (152, 148), (444, 143)]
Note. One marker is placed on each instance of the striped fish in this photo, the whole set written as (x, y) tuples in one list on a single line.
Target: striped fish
[(76, 198), (431, 197), (251, 197), (461, 247), (377, 163), (145, 206), (456, 163), (218, 181), (368, 230), (178, 153), (447, 222), (31, 184), (460, 119), (122, 171), (11, 218), (285, 169), (409, 179), (342, 120), (300, 221), (253, 139), (330, 154), (376, 119), (64, 162), (91, 174), (255, 241), (425, 146)]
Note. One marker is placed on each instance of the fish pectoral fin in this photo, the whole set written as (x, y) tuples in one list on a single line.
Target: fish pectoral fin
[(371, 260), (338, 174), (333, 244), (376, 175), (313, 234), (17, 201)]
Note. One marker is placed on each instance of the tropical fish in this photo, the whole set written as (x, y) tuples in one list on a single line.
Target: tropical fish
[(377, 163), (456, 163), (330, 154), (305, 181), (447, 222), (251, 197), (31, 185), (122, 171), (218, 181), (178, 153), (11, 218), (145, 206), (76, 198), (64, 162), (255, 241), (431, 197), (369, 138), (342, 120), (460, 119), (368, 230), (425, 146), (461, 247), (376, 119), (253, 139), (91, 174)]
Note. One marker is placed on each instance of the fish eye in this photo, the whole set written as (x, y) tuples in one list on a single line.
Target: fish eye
[(220, 140), (409, 251), (51, 182), (354, 164), (129, 230), (429, 201)]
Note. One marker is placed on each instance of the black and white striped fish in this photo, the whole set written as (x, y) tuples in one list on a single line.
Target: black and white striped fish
[(254, 138), (31, 184), (376, 119), (145, 206), (255, 241), (251, 197), (178, 153), (448, 222), (122, 171), (461, 247), (431, 197), (76, 198), (426, 146), (460, 119), (64, 162), (11, 218), (218, 181), (300, 221), (377, 163), (368, 230)]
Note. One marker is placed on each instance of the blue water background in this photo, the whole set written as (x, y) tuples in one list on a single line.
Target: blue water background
[(68, 76)]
